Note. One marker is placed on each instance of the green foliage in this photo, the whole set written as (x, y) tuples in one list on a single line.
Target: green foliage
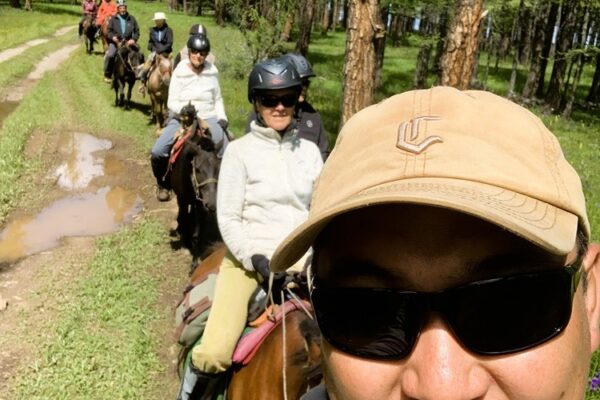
[(262, 24)]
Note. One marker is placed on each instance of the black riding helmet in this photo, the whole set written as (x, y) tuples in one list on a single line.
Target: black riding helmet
[(198, 43), (272, 75), (301, 63)]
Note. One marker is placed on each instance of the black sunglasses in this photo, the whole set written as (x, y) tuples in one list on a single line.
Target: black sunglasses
[(489, 317), (287, 100), (203, 53)]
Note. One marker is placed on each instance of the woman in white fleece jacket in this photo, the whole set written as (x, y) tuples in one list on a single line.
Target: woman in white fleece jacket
[(194, 80), (265, 187)]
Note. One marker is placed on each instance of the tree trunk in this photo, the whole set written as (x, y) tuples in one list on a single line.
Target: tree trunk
[(326, 21), (335, 14), (579, 63), (516, 44), (28, 5), (220, 12), (15, 3), (539, 34), (394, 26), (461, 44), (359, 65), (439, 47), (286, 32), (346, 12), (549, 26), (420, 79), (307, 8), (564, 42), (379, 44), (594, 93)]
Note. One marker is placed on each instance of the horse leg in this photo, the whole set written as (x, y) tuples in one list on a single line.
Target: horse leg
[(196, 224), (130, 84)]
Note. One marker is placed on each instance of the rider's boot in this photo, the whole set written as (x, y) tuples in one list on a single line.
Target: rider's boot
[(108, 69), (143, 76), (159, 169), (196, 384)]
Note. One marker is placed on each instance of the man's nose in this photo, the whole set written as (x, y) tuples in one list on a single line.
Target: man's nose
[(439, 368)]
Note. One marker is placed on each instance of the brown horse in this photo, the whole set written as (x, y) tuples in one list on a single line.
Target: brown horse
[(193, 178), (158, 88), (287, 363), (89, 33)]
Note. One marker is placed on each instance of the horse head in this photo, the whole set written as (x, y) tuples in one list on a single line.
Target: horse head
[(205, 168), (135, 58), (165, 68)]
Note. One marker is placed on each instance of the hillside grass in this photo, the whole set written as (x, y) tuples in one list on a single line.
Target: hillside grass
[(90, 340)]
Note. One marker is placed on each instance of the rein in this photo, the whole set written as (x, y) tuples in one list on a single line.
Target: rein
[(127, 64), (198, 186)]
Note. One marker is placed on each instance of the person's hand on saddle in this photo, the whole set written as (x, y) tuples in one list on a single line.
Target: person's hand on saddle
[(223, 123), (261, 265)]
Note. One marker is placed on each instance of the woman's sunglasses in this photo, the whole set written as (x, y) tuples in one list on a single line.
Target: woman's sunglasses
[(489, 317), (287, 100), (203, 53)]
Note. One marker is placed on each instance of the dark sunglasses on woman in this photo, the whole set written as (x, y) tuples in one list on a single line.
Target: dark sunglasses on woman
[(288, 100), (489, 317)]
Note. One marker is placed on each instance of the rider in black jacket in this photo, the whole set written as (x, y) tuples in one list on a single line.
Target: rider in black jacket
[(122, 28)]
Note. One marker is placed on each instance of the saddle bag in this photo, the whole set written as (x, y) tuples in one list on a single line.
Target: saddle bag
[(192, 310)]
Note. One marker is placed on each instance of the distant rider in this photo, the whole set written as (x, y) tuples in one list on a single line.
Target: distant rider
[(122, 29), (160, 41), (196, 29), (89, 8), (107, 9), (194, 80)]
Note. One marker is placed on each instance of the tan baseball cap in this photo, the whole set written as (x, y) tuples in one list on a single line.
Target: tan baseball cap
[(469, 151)]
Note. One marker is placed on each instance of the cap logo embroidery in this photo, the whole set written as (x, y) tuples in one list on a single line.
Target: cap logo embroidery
[(406, 136)]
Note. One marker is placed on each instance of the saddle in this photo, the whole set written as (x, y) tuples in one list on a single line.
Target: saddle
[(183, 134)]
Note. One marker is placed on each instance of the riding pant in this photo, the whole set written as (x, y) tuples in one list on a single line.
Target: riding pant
[(109, 60), (161, 150), (228, 315)]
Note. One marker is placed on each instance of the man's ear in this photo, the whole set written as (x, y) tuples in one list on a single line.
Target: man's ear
[(591, 266)]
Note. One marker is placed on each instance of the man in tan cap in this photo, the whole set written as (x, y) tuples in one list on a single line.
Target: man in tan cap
[(451, 256)]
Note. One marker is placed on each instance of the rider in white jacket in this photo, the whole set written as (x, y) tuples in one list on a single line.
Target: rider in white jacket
[(265, 187), (194, 80)]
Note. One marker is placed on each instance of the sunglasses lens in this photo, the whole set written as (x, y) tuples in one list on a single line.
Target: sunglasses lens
[(272, 101), (510, 314), (368, 323)]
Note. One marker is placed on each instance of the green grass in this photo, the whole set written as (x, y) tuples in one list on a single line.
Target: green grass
[(19, 26), (101, 345)]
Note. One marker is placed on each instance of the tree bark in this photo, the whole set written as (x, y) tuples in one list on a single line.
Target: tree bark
[(307, 8), (594, 93), (549, 31), (539, 34), (516, 44), (461, 44), (359, 64), (220, 12), (28, 5), (579, 63), (327, 17), (439, 47), (286, 32), (379, 44), (420, 79), (564, 42)]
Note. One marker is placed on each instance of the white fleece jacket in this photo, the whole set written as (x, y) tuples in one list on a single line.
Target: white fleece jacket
[(202, 89), (265, 187)]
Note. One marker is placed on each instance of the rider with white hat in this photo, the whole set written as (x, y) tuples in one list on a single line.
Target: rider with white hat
[(160, 41)]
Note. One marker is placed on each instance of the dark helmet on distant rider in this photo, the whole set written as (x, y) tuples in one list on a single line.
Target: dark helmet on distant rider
[(272, 75), (198, 29), (301, 63), (198, 43)]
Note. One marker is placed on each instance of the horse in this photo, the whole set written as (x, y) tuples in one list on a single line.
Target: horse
[(158, 89), (275, 371), (193, 177), (89, 32), (127, 59)]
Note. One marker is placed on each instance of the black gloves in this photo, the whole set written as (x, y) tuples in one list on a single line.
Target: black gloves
[(223, 123), (261, 265)]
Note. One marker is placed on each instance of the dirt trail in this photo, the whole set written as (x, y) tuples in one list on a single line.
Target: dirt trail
[(33, 288), (15, 51)]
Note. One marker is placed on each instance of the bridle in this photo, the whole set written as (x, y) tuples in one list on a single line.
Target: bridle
[(198, 186)]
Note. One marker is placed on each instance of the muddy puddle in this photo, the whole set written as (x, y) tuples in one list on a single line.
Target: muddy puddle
[(6, 107), (82, 213)]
